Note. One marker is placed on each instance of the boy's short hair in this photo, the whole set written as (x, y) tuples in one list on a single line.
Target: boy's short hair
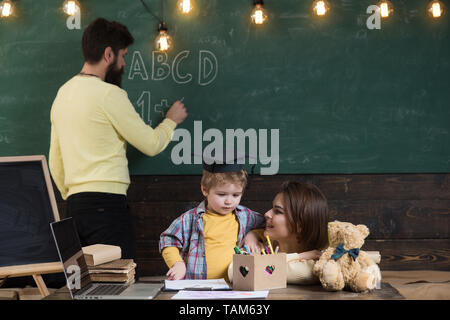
[(101, 34), (210, 179)]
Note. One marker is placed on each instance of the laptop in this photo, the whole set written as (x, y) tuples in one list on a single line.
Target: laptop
[(77, 275)]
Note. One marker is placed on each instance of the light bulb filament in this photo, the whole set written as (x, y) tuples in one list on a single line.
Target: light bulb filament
[(163, 44), (6, 9), (436, 10), (186, 6), (384, 10), (70, 7), (320, 8), (258, 17)]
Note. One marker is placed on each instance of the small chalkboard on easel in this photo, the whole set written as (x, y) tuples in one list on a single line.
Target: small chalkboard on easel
[(27, 207)]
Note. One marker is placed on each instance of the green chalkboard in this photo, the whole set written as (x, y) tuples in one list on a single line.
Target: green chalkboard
[(346, 99)]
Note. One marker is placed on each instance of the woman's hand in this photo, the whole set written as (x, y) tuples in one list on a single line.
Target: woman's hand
[(310, 255), (177, 272), (251, 240)]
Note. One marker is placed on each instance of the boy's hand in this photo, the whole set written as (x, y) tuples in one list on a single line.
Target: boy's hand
[(177, 272), (251, 240), (310, 255)]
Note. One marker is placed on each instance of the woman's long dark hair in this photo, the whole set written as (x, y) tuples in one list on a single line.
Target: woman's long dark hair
[(307, 214)]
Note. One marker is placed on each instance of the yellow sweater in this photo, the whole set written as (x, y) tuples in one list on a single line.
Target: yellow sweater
[(91, 120), (220, 234)]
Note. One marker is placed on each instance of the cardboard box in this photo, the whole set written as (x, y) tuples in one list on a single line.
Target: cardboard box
[(259, 272)]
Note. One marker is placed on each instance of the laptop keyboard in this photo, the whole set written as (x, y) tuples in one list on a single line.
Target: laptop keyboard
[(107, 290)]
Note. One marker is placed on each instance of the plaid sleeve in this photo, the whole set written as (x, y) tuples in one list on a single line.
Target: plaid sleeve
[(255, 221), (174, 236)]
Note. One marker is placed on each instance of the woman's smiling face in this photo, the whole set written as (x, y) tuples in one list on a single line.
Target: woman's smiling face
[(276, 220)]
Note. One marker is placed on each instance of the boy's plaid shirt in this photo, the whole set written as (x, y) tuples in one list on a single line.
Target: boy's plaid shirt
[(186, 233)]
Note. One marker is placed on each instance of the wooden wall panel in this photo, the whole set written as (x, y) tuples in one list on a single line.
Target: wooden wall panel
[(425, 254), (335, 187), (391, 219), (407, 214)]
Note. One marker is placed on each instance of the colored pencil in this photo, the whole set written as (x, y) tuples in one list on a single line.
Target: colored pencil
[(270, 244)]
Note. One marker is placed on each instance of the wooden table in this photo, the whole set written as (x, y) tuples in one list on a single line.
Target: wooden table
[(292, 292)]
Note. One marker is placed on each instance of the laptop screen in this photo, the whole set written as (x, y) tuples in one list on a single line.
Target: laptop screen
[(71, 254)]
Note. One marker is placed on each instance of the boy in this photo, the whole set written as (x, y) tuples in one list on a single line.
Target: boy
[(200, 243)]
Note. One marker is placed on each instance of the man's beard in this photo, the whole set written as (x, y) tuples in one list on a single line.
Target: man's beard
[(114, 75)]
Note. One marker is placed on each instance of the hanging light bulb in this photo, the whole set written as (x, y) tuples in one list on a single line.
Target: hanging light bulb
[(258, 14), (386, 8), (163, 40), (6, 9), (70, 7), (320, 7), (435, 9), (185, 6)]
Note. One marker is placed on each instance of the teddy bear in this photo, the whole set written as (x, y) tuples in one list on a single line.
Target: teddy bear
[(343, 264)]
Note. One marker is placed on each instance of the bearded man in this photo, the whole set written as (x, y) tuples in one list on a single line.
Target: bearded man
[(92, 119)]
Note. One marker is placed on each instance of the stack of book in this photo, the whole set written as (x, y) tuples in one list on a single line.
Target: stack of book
[(105, 264)]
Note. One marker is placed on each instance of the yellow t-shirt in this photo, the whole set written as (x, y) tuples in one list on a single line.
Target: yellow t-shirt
[(91, 121), (220, 235)]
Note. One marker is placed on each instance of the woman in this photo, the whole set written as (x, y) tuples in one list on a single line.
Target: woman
[(298, 225)]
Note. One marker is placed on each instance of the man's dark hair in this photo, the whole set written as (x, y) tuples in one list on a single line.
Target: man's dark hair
[(101, 34)]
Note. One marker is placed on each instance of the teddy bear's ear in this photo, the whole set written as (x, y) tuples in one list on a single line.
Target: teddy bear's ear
[(328, 233), (363, 230), (332, 228), (333, 224)]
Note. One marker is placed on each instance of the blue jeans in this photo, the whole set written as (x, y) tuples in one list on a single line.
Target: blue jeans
[(103, 218)]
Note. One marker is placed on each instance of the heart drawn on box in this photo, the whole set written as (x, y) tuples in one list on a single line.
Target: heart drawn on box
[(270, 269), (243, 270)]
